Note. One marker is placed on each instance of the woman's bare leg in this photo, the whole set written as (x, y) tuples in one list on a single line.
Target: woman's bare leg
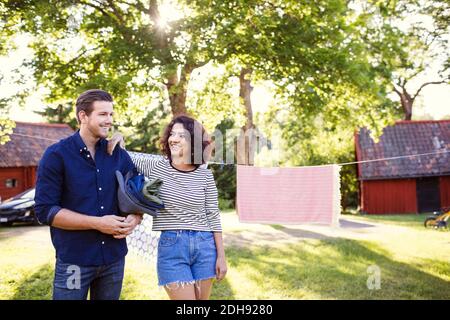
[(177, 291), (203, 289)]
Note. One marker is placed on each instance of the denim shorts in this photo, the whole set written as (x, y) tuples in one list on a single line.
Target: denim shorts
[(186, 256)]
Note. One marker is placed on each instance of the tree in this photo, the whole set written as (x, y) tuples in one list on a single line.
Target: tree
[(311, 50), (6, 125), (144, 135), (60, 114), (115, 45), (409, 38), (306, 48), (123, 42), (406, 98)]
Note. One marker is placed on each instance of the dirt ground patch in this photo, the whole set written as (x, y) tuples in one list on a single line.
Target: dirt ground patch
[(244, 234)]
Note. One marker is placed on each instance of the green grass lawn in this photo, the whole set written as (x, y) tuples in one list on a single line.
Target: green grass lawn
[(405, 220), (333, 268)]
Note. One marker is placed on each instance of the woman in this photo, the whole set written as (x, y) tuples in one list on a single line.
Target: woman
[(190, 248)]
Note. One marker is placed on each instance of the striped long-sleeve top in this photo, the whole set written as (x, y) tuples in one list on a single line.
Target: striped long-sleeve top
[(190, 197)]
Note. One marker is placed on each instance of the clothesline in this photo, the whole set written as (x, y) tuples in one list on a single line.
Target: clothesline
[(339, 164), (364, 161)]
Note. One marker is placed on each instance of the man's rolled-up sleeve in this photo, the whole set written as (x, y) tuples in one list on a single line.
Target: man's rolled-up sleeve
[(49, 186)]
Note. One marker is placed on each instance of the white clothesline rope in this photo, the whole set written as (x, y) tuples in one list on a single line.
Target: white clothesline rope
[(364, 161), (339, 164)]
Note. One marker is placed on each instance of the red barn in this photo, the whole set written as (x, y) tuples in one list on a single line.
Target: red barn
[(20, 156), (406, 185)]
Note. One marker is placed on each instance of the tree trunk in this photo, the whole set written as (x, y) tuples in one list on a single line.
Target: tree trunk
[(176, 86), (407, 104), (405, 100), (177, 90), (246, 144)]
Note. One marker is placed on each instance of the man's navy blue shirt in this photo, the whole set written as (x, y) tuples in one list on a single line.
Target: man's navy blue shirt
[(69, 178)]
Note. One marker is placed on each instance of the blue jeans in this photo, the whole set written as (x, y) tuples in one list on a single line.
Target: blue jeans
[(186, 256), (72, 282)]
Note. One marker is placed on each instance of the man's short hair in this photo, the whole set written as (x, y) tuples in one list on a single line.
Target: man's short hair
[(87, 98)]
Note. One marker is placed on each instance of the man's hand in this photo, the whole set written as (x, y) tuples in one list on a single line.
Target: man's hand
[(134, 220), (112, 224), (117, 138)]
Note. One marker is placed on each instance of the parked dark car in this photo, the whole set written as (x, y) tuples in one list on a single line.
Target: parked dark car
[(19, 208)]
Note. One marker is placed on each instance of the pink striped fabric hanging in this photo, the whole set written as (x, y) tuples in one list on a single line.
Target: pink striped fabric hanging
[(289, 195)]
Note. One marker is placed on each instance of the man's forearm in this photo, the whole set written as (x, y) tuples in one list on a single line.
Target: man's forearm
[(71, 220)]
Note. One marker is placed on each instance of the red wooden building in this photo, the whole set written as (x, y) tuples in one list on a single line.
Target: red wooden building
[(405, 185), (20, 156)]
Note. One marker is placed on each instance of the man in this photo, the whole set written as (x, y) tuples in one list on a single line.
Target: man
[(76, 195)]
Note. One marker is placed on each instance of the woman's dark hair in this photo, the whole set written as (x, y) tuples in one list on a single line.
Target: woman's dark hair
[(87, 98), (196, 131)]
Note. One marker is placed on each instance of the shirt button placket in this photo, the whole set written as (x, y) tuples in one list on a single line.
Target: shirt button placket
[(100, 198)]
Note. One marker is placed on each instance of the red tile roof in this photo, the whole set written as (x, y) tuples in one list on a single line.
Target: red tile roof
[(29, 141), (405, 138)]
